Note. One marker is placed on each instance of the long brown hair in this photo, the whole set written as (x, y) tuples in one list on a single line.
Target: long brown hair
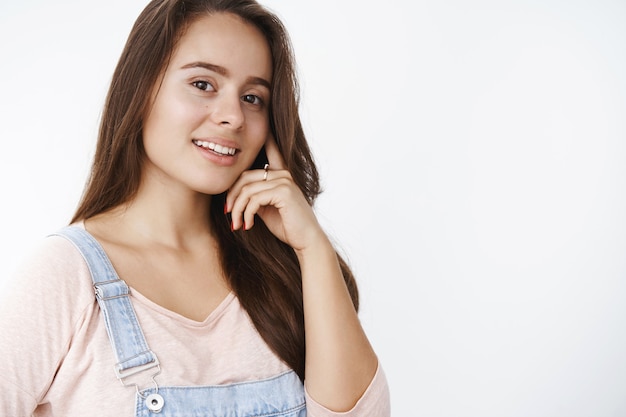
[(262, 271)]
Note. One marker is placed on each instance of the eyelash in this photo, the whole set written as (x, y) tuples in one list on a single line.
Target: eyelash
[(248, 98), (256, 99), (206, 83)]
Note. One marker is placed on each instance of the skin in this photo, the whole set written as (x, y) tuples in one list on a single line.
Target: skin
[(164, 231)]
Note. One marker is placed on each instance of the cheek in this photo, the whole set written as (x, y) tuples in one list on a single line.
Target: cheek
[(258, 128), (258, 137), (170, 112)]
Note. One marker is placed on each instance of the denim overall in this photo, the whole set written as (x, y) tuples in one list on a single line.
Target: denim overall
[(282, 395)]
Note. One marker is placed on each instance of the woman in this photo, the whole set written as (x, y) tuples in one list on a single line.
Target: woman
[(197, 230)]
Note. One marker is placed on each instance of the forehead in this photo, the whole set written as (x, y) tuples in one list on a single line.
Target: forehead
[(226, 40)]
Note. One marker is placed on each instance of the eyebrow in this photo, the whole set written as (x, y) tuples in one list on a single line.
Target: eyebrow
[(223, 71)]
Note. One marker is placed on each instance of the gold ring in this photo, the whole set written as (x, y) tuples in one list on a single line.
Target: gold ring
[(265, 168)]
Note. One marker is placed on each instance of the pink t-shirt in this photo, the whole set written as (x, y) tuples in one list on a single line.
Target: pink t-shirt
[(56, 358)]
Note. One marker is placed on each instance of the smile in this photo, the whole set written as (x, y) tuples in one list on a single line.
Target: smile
[(223, 150)]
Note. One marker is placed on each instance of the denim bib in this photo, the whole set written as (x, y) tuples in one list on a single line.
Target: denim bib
[(282, 395)]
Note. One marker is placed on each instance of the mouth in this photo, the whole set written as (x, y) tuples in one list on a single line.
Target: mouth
[(219, 149)]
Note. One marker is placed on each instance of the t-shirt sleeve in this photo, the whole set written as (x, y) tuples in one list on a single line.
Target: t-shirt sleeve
[(375, 401), (40, 307)]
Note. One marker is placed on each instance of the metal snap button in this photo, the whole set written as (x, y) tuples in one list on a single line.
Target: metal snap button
[(155, 403)]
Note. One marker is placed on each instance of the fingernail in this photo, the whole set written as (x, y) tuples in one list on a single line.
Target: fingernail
[(244, 226), (232, 227), (225, 208)]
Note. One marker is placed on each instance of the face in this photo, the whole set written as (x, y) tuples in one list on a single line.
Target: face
[(209, 115)]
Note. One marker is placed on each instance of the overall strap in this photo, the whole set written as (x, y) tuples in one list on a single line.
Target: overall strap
[(127, 339)]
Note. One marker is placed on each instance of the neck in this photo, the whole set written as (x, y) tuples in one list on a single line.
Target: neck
[(168, 216)]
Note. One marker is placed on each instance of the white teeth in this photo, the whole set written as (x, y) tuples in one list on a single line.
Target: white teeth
[(224, 150)]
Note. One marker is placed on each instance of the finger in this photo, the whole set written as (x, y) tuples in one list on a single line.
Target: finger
[(274, 156), (253, 205), (240, 201), (252, 208), (243, 210), (250, 177)]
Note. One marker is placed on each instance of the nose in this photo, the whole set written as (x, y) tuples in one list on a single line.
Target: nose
[(226, 110)]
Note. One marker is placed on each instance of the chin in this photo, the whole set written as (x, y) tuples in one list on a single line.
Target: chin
[(211, 190), (212, 187)]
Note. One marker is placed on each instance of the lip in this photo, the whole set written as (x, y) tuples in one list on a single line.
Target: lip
[(215, 157)]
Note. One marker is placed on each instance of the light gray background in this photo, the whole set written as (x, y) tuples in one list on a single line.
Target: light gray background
[(473, 156)]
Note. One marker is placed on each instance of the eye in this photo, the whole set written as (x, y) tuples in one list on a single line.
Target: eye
[(203, 85), (252, 99)]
